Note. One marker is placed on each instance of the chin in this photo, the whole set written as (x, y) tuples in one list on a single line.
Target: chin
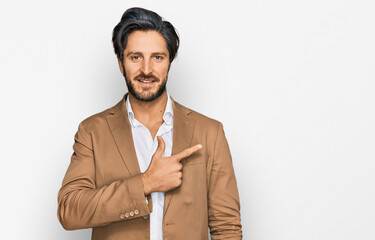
[(146, 96), (146, 93)]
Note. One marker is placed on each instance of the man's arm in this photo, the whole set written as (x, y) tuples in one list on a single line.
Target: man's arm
[(223, 200), (82, 205)]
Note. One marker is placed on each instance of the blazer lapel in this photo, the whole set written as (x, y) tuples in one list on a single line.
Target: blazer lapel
[(183, 128), (119, 125)]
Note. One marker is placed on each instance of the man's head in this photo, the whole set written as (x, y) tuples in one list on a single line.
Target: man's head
[(145, 46)]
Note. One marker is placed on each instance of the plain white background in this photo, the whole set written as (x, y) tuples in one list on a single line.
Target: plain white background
[(292, 81)]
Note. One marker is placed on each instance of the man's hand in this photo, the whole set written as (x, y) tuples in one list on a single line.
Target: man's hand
[(165, 173)]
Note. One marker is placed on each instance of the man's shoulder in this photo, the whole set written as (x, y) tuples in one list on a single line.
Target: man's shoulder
[(99, 119), (198, 117)]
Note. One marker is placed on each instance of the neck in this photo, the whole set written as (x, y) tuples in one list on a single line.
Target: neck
[(149, 112)]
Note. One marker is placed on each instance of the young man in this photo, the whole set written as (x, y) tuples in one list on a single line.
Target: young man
[(149, 168)]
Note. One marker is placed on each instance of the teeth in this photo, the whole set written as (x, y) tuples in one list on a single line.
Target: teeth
[(145, 81)]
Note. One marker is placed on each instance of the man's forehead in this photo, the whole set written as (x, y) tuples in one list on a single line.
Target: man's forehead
[(146, 42)]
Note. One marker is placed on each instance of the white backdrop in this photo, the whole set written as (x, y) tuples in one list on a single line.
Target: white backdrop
[(292, 81)]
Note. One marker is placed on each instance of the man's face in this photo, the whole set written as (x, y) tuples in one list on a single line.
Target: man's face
[(146, 62)]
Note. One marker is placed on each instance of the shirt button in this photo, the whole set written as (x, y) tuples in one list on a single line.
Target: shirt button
[(127, 214), (136, 211), (122, 216), (131, 213), (145, 216)]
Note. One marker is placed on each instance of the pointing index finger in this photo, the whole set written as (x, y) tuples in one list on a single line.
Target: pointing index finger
[(187, 152)]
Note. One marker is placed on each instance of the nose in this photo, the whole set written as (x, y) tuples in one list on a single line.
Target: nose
[(146, 67)]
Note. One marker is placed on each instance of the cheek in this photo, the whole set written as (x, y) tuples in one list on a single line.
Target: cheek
[(131, 70), (163, 70)]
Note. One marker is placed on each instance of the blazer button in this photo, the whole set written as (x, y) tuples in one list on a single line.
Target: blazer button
[(127, 215), (131, 213), (145, 217), (136, 211), (122, 216)]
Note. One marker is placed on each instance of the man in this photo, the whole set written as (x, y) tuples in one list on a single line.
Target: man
[(149, 168)]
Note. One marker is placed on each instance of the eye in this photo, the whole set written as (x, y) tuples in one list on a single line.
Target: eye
[(158, 58), (135, 57)]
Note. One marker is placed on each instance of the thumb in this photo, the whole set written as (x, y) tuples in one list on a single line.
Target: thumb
[(161, 147)]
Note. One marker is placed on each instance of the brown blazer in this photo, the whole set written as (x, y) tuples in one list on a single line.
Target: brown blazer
[(103, 190)]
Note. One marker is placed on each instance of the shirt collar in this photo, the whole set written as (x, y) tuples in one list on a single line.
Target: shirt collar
[(167, 117)]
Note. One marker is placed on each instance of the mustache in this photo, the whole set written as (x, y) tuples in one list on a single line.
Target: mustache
[(143, 76)]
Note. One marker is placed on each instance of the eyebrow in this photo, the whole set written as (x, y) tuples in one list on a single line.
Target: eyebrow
[(140, 53), (160, 53)]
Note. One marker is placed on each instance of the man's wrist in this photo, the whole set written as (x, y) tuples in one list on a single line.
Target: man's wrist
[(146, 184)]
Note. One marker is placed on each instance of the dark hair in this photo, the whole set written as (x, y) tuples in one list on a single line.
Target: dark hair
[(142, 19)]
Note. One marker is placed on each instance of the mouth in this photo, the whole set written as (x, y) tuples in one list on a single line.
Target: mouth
[(144, 81)]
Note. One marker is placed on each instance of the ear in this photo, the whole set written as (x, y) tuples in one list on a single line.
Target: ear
[(120, 65)]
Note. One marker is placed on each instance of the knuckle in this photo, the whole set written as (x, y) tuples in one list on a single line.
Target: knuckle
[(179, 166), (177, 183)]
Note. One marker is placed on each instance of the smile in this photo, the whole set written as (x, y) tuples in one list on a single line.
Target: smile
[(145, 81)]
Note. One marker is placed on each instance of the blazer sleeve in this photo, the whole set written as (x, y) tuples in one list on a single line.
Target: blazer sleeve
[(223, 199), (81, 204)]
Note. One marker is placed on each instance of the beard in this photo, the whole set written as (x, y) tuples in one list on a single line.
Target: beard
[(145, 95)]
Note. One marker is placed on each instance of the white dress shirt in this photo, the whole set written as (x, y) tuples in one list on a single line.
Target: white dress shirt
[(145, 148)]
